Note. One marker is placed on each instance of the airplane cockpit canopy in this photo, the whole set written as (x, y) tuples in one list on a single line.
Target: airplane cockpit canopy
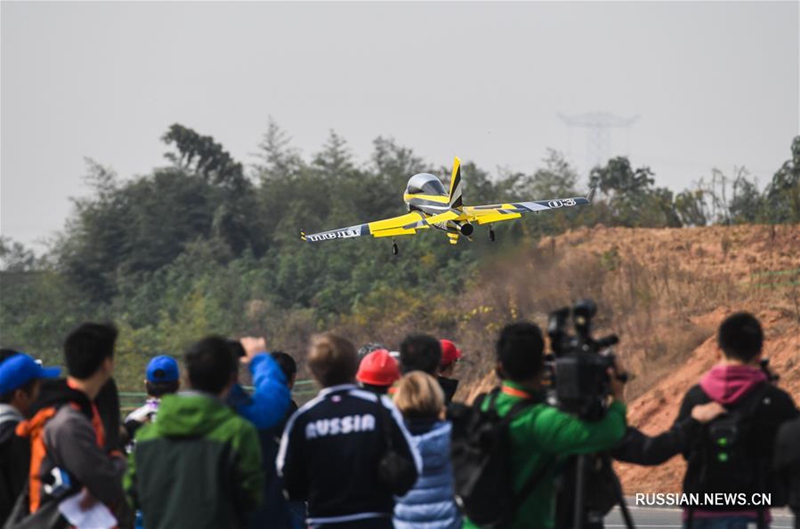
[(426, 184)]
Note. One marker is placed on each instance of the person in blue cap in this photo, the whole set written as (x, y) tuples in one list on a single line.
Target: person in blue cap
[(162, 378), (20, 380)]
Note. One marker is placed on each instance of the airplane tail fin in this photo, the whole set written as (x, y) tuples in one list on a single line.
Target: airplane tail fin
[(455, 186)]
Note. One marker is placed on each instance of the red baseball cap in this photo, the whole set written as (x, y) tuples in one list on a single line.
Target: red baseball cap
[(450, 353), (378, 368)]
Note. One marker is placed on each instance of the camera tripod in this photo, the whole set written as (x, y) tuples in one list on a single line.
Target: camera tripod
[(596, 491)]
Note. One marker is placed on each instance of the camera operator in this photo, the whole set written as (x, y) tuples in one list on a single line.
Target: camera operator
[(542, 434), (732, 452)]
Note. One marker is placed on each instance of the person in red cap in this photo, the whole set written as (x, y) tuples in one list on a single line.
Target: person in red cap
[(378, 371), (450, 356)]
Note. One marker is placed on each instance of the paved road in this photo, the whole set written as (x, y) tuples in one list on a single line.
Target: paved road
[(670, 518)]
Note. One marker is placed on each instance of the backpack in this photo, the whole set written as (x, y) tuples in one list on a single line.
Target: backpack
[(722, 455), (481, 455), (47, 517), (42, 493)]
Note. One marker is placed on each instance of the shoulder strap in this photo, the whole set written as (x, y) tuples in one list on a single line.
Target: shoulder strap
[(536, 478), (520, 406), (492, 396), (748, 405)]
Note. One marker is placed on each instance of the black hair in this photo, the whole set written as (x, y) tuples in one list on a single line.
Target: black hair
[(367, 348), (6, 353), (8, 396), (520, 350), (372, 388), (87, 347), (209, 364), (420, 352), (740, 336), (157, 389), (286, 363)]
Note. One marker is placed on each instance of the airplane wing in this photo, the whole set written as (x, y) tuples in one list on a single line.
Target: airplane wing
[(513, 210), (434, 219), (407, 224)]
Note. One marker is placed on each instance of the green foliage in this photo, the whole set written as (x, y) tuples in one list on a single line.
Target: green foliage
[(557, 179), (15, 257), (747, 205), (690, 208), (200, 247), (632, 199), (38, 308), (201, 155), (782, 196), (92, 248)]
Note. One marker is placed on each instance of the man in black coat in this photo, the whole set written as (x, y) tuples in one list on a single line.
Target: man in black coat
[(740, 386), (332, 447)]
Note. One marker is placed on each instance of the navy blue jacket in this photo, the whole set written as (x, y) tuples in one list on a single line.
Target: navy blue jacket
[(330, 451)]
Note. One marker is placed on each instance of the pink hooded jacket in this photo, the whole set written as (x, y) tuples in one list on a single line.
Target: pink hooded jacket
[(727, 384)]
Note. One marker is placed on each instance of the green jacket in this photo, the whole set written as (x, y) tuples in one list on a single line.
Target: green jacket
[(541, 433), (198, 465)]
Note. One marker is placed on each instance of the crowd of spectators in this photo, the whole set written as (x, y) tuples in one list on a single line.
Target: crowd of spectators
[(371, 451)]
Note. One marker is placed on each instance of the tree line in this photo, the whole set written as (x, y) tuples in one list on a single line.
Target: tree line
[(207, 244)]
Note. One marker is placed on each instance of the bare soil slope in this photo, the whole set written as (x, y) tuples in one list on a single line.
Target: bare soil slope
[(665, 291), (654, 411)]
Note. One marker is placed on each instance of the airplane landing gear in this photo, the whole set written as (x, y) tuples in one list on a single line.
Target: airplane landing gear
[(491, 235), (395, 249)]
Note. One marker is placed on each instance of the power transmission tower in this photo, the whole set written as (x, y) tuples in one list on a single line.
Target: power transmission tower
[(598, 134)]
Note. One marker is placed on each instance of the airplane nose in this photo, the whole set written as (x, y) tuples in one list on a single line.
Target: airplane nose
[(466, 229)]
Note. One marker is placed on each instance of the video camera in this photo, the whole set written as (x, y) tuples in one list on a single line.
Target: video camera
[(577, 366)]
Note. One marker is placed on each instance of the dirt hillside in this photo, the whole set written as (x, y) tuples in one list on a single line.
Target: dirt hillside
[(665, 291)]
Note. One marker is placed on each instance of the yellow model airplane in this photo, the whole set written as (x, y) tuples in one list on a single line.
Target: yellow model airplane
[(430, 205)]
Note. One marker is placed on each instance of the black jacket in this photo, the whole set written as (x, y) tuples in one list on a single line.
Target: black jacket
[(107, 402), (775, 407), (787, 463), (15, 458), (330, 450), (449, 386), (275, 512)]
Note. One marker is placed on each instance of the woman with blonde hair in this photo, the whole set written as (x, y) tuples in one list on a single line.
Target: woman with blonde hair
[(420, 399)]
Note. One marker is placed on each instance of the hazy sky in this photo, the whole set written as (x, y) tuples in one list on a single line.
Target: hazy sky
[(715, 84)]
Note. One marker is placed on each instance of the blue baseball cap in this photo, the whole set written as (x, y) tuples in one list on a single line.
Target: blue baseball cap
[(19, 369), (162, 369)]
